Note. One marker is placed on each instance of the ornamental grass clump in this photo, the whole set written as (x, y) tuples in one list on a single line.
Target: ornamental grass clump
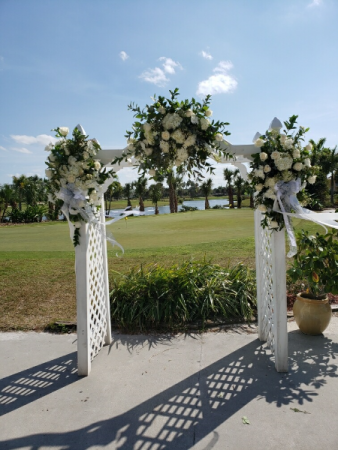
[(155, 297)]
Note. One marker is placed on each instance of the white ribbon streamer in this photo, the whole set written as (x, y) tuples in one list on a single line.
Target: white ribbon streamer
[(287, 204), (74, 202)]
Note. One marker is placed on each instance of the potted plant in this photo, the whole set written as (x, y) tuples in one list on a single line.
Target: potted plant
[(316, 264)]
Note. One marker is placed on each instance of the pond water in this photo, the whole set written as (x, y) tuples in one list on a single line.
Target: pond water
[(166, 210)]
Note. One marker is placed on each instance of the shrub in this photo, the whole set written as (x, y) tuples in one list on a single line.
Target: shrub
[(188, 208), (157, 297)]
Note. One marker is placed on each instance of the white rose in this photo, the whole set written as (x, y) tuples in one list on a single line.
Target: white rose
[(164, 146), (130, 141), (194, 119), (303, 185), (165, 135), (308, 147), (205, 124), (51, 157), (188, 113), (66, 151), (143, 145), (259, 187), (288, 143), (296, 153), (48, 173), (298, 166), (267, 168), (178, 136), (283, 138), (161, 109), (307, 162), (63, 131), (97, 165), (208, 112), (71, 160), (312, 179), (182, 154), (49, 147), (263, 156), (152, 172), (148, 151), (275, 155), (191, 140), (71, 178), (270, 182), (270, 193), (146, 126), (262, 208), (259, 173), (131, 147), (273, 224), (85, 155), (219, 137), (259, 142)]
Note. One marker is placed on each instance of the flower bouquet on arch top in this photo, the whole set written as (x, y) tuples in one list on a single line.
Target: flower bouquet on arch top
[(76, 178), (283, 165), (170, 133)]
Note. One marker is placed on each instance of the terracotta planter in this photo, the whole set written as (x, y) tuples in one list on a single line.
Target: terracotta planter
[(312, 316)]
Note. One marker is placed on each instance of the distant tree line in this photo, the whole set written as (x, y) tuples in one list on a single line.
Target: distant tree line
[(26, 198)]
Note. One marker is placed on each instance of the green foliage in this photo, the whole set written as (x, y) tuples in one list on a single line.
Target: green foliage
[(29, 215), (316, 262), (186, 208), (155, 297)]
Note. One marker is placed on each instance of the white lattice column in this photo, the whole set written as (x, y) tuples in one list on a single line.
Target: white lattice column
[(271, 291), (92, 294), (82, 303)]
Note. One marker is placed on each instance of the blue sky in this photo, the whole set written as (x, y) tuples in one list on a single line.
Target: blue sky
[(64, 62)]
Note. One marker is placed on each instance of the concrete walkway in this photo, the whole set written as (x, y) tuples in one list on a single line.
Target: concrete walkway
[(163, 392)]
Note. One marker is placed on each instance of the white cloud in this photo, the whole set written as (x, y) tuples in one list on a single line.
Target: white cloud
[(158, 76), (21, 150), (123, 55), (205, 55), (315, 3), (3, 148), (43, 139), (169, 64), (221, 83)]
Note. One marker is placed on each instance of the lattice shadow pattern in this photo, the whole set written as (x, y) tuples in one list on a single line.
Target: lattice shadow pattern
[(97, 291)]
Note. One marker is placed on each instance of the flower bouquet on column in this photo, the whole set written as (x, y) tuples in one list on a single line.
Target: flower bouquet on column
[(280, 172), (171, 134), (76, 178)]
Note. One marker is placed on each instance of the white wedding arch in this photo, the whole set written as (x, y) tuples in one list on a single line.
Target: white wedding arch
[(92, 289)]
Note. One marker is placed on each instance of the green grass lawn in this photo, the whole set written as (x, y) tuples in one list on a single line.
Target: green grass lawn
[(37, 279)]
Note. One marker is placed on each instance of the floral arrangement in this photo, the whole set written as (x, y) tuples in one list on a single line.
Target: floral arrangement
[(76, 177), (282, 159), (170, 134)]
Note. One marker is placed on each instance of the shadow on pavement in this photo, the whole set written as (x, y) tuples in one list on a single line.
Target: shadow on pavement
[(31, 384), (184, 414)]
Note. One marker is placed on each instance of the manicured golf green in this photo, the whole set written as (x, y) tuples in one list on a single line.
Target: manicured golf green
[(37, 279)]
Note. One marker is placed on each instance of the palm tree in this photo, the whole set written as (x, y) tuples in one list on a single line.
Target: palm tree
[(7, 198), (249, 189), (128, 192), (229, 176), (206, 188), (140, 190), (19, 185), (239, 184), (156, 191)]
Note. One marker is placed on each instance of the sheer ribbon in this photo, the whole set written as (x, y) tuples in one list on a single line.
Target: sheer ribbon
[(287, 204)]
